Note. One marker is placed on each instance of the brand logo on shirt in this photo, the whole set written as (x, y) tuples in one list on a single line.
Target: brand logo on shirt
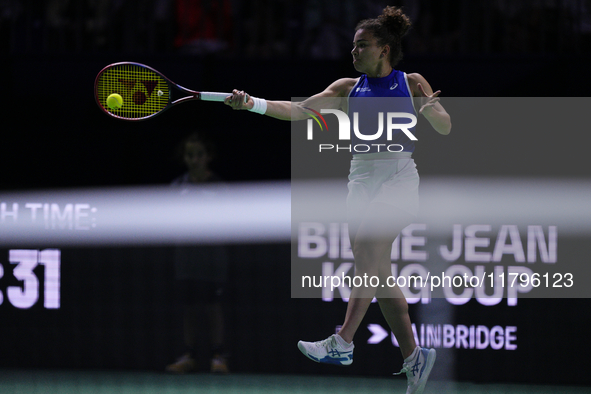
[(366, 89), (394, 86)]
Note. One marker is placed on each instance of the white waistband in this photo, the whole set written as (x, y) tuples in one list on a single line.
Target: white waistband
[(383, 156)]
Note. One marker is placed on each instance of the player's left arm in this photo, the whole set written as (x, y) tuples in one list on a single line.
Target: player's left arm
[(430, 106)]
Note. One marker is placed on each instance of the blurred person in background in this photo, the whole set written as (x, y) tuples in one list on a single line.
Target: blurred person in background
[(201, 273)]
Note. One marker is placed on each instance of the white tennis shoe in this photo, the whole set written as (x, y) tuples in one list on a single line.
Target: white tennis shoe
[(417, 369), (332, 350)]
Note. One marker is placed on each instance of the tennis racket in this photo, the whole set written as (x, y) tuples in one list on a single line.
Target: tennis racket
[(145, 91)]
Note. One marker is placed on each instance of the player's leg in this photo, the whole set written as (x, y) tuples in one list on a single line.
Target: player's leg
[(371, 240), (418, 361), (384, 219), (394, 307), (372, 245)]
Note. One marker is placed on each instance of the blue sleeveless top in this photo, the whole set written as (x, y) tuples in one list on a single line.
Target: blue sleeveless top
[(394, 85)]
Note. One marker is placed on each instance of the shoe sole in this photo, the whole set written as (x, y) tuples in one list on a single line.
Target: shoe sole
[(326, 360)]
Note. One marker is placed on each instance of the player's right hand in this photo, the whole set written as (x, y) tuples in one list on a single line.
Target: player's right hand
[(239, 100)]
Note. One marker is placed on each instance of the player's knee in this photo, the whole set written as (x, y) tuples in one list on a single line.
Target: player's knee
[(365, 251), (365, 263)]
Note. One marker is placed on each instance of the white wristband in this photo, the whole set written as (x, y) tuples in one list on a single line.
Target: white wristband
[(260, 105)]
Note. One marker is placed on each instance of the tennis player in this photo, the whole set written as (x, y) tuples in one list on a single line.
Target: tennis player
[(383, 186)]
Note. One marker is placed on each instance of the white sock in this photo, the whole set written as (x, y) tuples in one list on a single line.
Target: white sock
[(342, 342), (412, 355)]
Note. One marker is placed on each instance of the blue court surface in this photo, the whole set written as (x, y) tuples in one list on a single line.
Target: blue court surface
[(98, 382)]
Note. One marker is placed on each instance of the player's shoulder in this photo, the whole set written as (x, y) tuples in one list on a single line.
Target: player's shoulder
[(414, 79), (343, 86), (347, 81)]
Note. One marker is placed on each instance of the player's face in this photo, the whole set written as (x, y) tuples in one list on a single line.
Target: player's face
[(196, 156), (366, 52)]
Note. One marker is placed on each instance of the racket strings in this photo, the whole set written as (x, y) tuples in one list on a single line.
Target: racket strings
[(144, 92)]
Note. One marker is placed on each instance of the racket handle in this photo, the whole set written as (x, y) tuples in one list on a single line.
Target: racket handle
[(215, 96)]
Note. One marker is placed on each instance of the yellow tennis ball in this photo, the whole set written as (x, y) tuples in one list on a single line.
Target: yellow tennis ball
[(115, 101)]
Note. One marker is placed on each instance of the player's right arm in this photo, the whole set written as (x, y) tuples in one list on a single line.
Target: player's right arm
[(333, 97)]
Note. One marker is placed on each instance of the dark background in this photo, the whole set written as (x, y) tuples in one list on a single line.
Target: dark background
[(119, 311), (54, 136), (116, 302)]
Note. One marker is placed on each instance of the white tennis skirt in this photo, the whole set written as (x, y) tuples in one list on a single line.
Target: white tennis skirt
[(389, 177)]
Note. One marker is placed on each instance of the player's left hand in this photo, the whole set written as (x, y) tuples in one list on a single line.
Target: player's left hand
[(428, 100)]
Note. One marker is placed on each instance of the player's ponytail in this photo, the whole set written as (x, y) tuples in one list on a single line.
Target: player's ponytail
[(388, 29), (395, 21)]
